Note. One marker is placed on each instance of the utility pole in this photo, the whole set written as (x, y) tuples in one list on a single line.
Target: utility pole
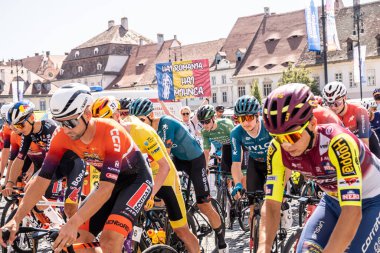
[(324, 42), (358, 24)]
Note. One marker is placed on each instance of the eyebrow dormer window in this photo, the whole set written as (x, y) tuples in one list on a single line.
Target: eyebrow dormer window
[(96, 51)]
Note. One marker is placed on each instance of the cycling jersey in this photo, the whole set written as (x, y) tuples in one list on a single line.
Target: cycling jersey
[(175, 136), (339, 163), (7, 136), (221, 133), (35, 153), (356, 120), (151, 144), (257, 145), (42, 138), (326, 116), (375, 123)]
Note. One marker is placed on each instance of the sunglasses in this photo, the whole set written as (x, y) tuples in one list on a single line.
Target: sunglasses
[(291, 137), (124, 113), (185, 114), (243, 118), (337, 103), (22, 122), (70, 123), (142, 119), (205, 122)]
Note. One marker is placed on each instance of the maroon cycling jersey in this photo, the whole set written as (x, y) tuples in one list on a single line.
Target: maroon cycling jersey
[(111, 151)]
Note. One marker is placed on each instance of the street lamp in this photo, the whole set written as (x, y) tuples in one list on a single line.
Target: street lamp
[(18, 64), (323, 17), (358, 29)]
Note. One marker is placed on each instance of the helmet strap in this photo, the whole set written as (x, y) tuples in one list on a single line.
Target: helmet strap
[(151, 121), (312, 136), (344, 107), (86, 123)]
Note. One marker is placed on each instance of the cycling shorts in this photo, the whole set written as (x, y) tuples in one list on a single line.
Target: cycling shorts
[(321, 224), (122, 208), (256, 176), (374, 144), (226, 158), (196, 169)]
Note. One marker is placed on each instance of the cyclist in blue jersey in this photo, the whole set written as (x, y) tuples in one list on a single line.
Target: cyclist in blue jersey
[(188, 156), (376, 96), (251, 135)]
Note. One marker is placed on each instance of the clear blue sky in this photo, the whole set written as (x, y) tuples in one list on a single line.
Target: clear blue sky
[(30, 26)]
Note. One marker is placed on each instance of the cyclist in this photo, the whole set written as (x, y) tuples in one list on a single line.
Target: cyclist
[(376, 97), (354, 117), (125, 182), (374, 116), (218, 130), (187, 156), (6, 131), (125, 104), (166, 181), (348, 215), (252, 135), (219, 111)]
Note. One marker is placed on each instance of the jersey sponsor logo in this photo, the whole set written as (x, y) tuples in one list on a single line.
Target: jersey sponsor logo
[(259, 147), (138, 199), (113, 169), (269, 189), (317, 230), (344, 157), (78, 179), (349, 181), (93, 159), (271, 150), (118, 224), (351, 118), (117, 164), (350, 195), (371, 236), (156, 150), (271, 178), (111, 176), (329, 130), (247, 138), (73, 197), (115, 139)]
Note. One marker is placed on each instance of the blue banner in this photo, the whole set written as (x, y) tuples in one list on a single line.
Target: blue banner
[(164, 75), (312, 26)]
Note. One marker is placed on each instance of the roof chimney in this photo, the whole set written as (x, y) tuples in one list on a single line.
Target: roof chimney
[(266, 11), (175, 37), (47, 53), (111, 23), (160, 38), (66, 53), (124, 23), (141, 41), (36, 54)]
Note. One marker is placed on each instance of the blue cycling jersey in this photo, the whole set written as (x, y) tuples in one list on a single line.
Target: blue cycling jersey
[(176, 136), (375, 123), (257, 146)]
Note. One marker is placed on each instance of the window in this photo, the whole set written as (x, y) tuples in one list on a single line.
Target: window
[(96, 51), (371, 77), (213, 80), (267, 89), (224, 94), (80, 69), (76, 54), (224, 79), (61, 71), (351, 80), (339, 77), (214, 101), (42, 105), (350, 46), (241, 91), (99, 66)]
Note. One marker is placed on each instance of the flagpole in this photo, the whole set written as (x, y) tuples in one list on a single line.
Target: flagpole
[(324, 42), (357, 19)]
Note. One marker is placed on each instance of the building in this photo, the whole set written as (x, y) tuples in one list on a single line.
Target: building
[(340, 63), (100, 60)]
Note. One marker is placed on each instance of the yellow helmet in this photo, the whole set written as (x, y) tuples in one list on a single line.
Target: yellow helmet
[(105, 107)]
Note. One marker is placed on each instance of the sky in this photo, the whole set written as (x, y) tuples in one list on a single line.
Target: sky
[(35, 26)]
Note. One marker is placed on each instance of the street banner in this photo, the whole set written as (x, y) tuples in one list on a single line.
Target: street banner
[(17, 91), (332, 34), (312, 26), (183, 79), (363, 50)]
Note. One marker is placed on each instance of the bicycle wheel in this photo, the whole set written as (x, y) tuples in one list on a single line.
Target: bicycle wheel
[(255, 231), (160, 248), (8, 209), (243, 215), (292, 243)]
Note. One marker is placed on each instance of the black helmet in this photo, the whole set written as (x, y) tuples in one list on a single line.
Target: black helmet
[(219, 108), (125, 103), (205, 112)]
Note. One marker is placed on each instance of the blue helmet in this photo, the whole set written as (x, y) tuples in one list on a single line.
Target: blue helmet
[(19, 112), (246, 105), (376, 94), (141, 107)]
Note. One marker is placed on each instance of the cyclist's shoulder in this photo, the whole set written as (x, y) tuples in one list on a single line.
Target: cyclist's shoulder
[(237, 130)]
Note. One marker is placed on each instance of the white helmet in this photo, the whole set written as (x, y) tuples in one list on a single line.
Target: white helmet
[(333, 90), (69, 100), (19, 112), (5, 109)]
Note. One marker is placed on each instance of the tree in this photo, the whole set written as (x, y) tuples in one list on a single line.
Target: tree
[(299, 75), (255, 91)]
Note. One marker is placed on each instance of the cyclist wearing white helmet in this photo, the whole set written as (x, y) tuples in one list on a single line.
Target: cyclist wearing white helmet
[(6, 131), (107, 146), (354, 117)]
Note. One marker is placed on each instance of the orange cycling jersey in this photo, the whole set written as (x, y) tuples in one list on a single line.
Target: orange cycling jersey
[(7, 136), (111, 151), (34, 152)]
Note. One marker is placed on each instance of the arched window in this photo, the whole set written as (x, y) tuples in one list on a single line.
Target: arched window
[(80, 69)]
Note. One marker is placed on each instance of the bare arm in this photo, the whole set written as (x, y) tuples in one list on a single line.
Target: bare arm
[(160, 178), (207, 156), (4, 159), (270, 218), (167, 112), (236, 172), (345, 229)]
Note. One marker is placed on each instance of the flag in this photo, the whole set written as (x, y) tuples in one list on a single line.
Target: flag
[(332, 39), (363, 50), (312, 26)]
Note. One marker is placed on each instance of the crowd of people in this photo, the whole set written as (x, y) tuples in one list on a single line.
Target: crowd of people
[(326, 139)]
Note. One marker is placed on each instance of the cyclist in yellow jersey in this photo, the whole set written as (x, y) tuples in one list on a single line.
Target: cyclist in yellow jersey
[(166, 181)]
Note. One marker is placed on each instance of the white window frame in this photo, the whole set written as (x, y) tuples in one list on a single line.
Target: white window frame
[(351, 80), (96, 51), (80, 69), (371, 77), (42, 105), (241, 91), (224, 79), (339, 77), (213, 80), (224, 96), (99, 66), (214, 98), (267, 88), (76, 54)]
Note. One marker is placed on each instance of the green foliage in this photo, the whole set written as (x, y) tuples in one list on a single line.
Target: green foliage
[(255, 91), (299, 75)]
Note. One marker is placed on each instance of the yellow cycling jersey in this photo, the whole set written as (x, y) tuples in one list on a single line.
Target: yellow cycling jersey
[(339, 163)]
